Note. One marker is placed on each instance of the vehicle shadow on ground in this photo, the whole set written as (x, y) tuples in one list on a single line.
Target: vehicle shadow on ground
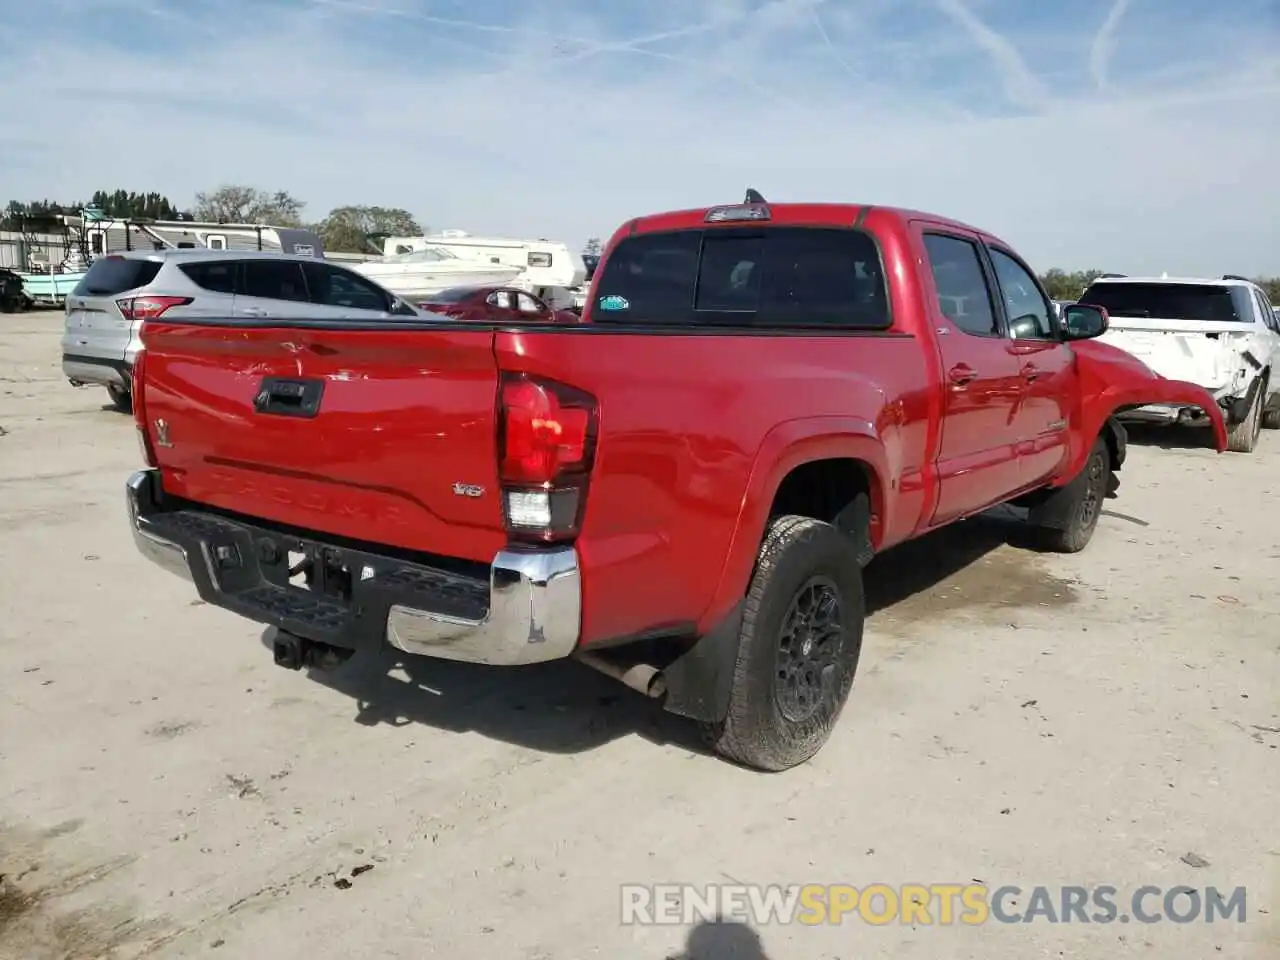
[(919, 565), (1168, 437), (721, 940), (566, 707)]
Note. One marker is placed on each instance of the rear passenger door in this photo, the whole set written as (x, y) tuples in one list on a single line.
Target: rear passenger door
[(271, 288), (344, 295), (977, 455), (1046, 367)]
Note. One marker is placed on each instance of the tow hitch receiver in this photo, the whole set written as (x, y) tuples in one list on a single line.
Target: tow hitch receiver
[(294, 652)]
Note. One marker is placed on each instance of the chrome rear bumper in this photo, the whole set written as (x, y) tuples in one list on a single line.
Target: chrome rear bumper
[(529, 611)]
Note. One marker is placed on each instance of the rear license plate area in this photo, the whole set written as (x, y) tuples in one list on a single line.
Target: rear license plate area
[(307, 568)]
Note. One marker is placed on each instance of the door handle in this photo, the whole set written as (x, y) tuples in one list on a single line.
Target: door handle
[(289, 398), (1030, 373), (961, 374), (254, 312)]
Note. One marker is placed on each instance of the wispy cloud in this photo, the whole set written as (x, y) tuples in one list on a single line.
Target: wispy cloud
[(566, 117), (1104, 43), (1021, 85)]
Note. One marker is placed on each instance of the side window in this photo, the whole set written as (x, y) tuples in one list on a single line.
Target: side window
[(1030, 316), (274, 280), (529, 304), (332, 287), (501, 299), (216, 276), (963, 296), (1267, 312)]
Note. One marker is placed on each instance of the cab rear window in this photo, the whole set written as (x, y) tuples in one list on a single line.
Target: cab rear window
[(745, 276), (109, 276)]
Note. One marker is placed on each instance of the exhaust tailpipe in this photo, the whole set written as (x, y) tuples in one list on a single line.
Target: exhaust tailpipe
[(642, 677)]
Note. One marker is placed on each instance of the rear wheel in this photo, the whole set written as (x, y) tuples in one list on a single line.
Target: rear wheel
[(798, 647), (1243, 437), (121, 399), (1065, 521)]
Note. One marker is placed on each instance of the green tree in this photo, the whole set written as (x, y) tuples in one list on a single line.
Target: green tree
[(356, 229), (18, 214), (232, 203), (1062, 285), (592, 247), (124, 204)]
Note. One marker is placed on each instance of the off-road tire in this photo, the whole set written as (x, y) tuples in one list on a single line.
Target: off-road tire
[(1243, 437), (121, 400), (1064, 522), (796, 553)]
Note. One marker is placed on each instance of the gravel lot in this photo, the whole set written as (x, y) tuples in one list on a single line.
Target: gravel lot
[(165, 791)]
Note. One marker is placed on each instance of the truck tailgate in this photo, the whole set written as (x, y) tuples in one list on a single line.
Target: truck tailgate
[(398, 447)]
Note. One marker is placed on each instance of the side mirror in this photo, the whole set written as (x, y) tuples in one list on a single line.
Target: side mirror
[(1082, 321)]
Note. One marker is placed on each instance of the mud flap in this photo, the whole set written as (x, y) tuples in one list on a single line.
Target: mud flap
[(700, 680), (855, 521), (1117, 439)]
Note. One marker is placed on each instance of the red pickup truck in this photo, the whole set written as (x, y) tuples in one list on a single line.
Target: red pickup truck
[(681, 490)]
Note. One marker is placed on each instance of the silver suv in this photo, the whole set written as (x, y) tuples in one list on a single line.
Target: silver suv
[(106, 310)]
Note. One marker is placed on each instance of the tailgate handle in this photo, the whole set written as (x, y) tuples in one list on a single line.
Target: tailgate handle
[(289, 398)]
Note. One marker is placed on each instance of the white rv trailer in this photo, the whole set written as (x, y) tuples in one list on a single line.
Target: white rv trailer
[(548, 269), (102, 235)]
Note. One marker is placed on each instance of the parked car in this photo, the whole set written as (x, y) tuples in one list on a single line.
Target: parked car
[(1222, 334), (495, 305), (680, 491), (106, 310)]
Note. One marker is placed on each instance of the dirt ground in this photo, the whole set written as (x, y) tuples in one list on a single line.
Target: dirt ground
[(166, 791)]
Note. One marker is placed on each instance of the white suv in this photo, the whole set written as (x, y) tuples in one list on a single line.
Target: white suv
[(1223, 335), (106, 310)]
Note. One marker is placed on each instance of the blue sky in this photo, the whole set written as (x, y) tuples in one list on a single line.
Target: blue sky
[(1138, 135)]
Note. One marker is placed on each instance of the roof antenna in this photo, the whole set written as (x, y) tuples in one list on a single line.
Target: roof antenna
[(753, 196)]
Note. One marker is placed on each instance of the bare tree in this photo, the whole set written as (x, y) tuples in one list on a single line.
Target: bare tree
[(233, 203)]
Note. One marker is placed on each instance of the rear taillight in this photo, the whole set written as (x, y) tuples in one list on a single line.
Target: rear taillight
[(140, 408), (149, 308), (546, 447)]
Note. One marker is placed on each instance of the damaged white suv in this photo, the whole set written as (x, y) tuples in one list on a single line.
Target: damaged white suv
[(1223, 335)]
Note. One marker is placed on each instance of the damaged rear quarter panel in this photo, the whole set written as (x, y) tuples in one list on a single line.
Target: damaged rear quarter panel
[(1112, 380)]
